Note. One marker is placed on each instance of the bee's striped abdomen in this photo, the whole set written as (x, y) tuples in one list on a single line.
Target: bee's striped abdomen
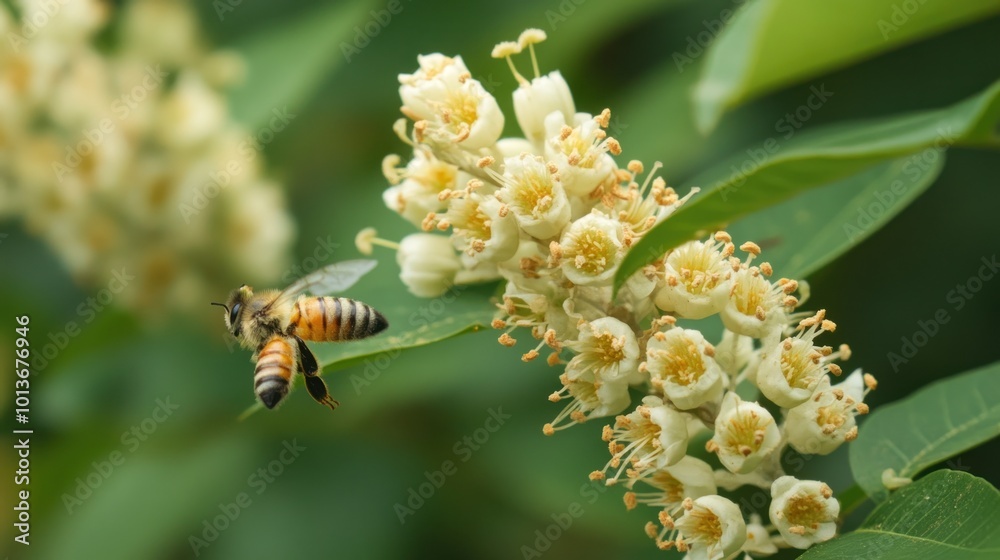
[(275, 366), (329, 319)]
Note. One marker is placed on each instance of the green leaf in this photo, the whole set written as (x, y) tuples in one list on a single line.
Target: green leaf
[(937, 422), (801, 235), (287, 62), (752, 56), (463, 309), (945, 515), (770, 172)]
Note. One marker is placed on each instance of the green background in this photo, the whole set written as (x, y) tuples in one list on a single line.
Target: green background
[(337, 498)]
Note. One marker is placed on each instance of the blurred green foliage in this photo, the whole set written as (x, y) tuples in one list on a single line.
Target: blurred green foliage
[(404, 417)]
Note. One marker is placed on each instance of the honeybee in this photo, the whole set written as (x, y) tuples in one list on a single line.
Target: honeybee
[(276, 323)]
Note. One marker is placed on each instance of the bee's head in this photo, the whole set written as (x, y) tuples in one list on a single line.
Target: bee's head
[(234, 307)]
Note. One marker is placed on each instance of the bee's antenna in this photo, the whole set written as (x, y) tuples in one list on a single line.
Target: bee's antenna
[(222, 305)]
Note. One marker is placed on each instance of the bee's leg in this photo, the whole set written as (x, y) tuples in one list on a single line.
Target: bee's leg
[(307, 360), (310, 372)]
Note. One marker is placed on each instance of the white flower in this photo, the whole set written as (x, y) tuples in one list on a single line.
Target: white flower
[(590, 399), (711, 528), (590, 250), (734, 352), (528, 269), (476, 272), (634, 294), (653, 436), (745, 434), (535, 195), (257, 246), (153, 190), (536, 100), (428, 264), (580, 151), (640, 207), (484, 228), (822, 423), (697, 276), (431, 67), (513, 147), (540, 311), (759, 541), (588, 303), (687, 478), (790, 370), (681, 365), (804, 511), (191, 113), (756, 307), (606, 350), (67, 23), (420, 185), (162, 31), (455, 107)]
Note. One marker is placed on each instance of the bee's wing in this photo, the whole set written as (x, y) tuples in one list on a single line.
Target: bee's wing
[(330, 279)]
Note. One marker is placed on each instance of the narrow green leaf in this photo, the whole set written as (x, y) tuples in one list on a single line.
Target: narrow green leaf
[(945, 515), (287, 62), (801, 235), (442, 329), (937, 422), (751, 55), (770, 172)]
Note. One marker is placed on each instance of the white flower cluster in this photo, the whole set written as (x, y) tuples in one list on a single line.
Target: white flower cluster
[(552, 214), (117, 150)]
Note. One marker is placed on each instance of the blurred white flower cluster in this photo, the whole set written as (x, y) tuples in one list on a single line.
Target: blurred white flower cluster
[(552, 215), (117, 149)]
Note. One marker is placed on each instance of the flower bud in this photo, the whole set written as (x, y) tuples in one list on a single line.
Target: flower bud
[(536, 100), (428, 264)]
